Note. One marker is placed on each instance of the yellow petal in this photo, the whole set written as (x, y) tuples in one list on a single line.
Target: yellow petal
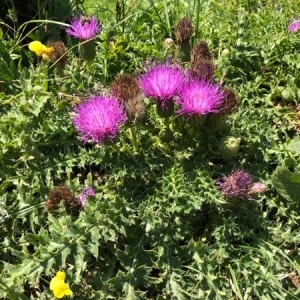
[(58, 293), (61, 275), (48, 50), (36, 47), (55, 282), (45, 56), (68, 292)]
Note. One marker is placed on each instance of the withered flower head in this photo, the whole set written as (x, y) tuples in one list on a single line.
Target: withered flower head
[(202, 70), (58, 55), (201, 51), (127, 89), (230, 101), (237, 185), (57, 195), (184, 30)]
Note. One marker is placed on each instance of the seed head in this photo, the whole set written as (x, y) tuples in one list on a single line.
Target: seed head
[(58, 55), (201, 52), (202, 70), (184, 31)]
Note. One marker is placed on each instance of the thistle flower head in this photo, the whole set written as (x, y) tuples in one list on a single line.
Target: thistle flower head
[(294, 26), (230, 101), (200, 51), (184, 30), (98, 118), (57, 195), (83, 195), (84, 28), (199, 98), (127, 89), (258, 188), (59, 53), (202, 70), (237, 185), (162, 82)]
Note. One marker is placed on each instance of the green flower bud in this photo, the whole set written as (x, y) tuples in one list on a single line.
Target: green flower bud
[(229, 146)]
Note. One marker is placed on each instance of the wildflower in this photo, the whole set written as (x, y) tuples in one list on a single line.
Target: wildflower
[(56, 196), (84, 28), (258, 188), (184, 30), (202, 70), (83, 195), (58, 285), (230, 101), (98, 118), (127, 89), (294, 26), (237, 185), (58, 55), (40, 49), (201, 52), (162, 82), (200, 98)]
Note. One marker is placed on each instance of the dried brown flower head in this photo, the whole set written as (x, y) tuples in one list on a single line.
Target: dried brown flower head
[(230, 101), (127, 89), (59, 54), (57, 195), (202, 70), (184, 30), (201, 51)]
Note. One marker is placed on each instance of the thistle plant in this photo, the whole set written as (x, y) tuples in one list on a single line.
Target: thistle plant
[(294, 26), (85, 29), (163, 83), (99, 118)]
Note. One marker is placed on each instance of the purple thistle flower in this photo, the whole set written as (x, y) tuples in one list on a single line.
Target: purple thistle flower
[(89, 191), (237, 185), (294, 26), (162, 82), (98, 118), (200, 98), (84, 29), (84, 193)]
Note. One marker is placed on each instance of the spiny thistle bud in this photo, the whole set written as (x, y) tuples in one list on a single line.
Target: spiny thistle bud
[(57, 195), (58, 55), (237, 185), (127, 89), (229, 146), (258, 188), (200, 51), (184, 30), (230, 101), (202, 70)]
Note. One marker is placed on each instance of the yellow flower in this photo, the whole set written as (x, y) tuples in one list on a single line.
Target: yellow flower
[(40, 49), (58, 285)]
